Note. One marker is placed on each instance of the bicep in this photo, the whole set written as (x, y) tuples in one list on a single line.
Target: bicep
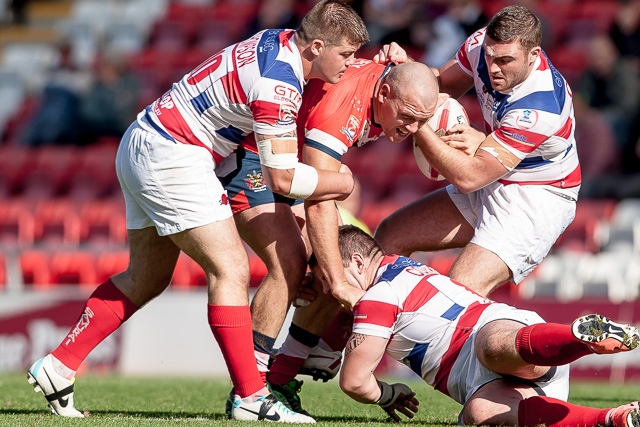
[(453, 79), (319, 159), (499, 159), (362, 355)]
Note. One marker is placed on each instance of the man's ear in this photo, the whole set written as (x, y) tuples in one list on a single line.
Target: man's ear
[(384, 92), (317, 46), (534, 54), (358, 260)]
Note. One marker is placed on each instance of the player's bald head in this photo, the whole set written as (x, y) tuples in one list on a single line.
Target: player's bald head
[(414, 79)]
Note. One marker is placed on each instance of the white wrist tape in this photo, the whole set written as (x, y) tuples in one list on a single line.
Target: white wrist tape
[(275, 158), (304, 182)]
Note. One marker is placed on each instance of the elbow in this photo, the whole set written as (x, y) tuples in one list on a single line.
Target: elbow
[(278, 181), (348, 386)]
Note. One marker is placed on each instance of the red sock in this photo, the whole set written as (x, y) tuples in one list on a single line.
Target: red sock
[(106, 309), (284, 369), (231, 326), (549, 344), (339, 331), (542, 410)]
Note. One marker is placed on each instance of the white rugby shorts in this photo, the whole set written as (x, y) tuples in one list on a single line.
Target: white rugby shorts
[(468, 375), (519, 223), (167, 184)]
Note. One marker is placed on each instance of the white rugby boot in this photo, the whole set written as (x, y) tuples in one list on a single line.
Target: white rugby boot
[(266, 408), (605, 336), (56, 389)]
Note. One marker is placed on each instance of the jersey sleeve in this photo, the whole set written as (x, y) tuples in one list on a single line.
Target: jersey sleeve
[(274, 103), (376, 313), (523, 130), (334, 125), (468, 53)]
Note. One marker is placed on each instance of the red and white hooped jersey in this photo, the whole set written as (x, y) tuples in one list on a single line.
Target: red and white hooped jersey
[(534, 120), (255, 85), (426, 316)]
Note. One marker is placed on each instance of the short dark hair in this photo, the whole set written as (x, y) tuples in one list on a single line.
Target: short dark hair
[(352, 239), (516, 23), (334, 22)]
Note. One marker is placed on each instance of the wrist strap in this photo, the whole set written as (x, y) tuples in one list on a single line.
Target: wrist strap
[(387, 394)]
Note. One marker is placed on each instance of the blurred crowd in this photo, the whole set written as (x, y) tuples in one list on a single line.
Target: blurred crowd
[(599, 54)]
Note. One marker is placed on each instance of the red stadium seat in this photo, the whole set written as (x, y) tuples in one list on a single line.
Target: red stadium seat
[(373, 213), (111, 262), (257, 269), (102, 221), (15, 164), (34, 265), (51, 170), (95, 174), (581, 234), (57, 221), (3, 271), (17, 223), (73, 267), (182, 276)]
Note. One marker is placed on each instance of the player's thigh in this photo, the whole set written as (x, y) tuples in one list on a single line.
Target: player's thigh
[(496, 403), (480, 269), (218, 249), (496, 350), (273, 233), (152, 259), (429, 223)]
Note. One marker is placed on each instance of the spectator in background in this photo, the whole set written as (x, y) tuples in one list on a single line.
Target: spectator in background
[(611, 85), (389, 20), (451, 29), (600, 156), (112, 101), (57, 119), (625, 31)]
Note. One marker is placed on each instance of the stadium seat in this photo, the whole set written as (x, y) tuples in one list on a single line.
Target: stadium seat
[(57, 221), (182, 275), (73, 267), (15, 164), (17, 223), (373, 213), (584, 233), (603, 275), (102, 222), (51, 170), (3, 272), (257, 269), (111, 262), (95, 174), (34, 265)]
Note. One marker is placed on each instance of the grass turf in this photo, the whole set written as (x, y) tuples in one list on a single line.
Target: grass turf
[(118, 401)]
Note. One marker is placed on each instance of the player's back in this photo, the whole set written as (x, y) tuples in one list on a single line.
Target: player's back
[(253, 85)]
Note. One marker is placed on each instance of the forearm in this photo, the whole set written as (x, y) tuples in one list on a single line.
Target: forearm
[(322, 228)]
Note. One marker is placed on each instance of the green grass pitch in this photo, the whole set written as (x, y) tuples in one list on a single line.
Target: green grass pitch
[(117, 401)]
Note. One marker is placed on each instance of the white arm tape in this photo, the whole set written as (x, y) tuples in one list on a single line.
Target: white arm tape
[(304, 182), (276, 161)]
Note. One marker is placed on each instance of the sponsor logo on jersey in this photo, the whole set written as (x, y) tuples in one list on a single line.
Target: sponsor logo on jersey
[(350, 130), (224, 200), (255, 181), (287, 94)]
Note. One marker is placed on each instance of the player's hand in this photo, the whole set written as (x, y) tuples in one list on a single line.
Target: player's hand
[(402, 399), (464, 138), (306, 294), (346, 294), (391, 53)]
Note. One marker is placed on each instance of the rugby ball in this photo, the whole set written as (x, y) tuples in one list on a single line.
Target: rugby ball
[(449, 114)]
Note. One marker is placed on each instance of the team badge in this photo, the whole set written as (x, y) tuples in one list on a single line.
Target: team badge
[(255, 181), (350, 130), (527, 119), (287, 114)]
